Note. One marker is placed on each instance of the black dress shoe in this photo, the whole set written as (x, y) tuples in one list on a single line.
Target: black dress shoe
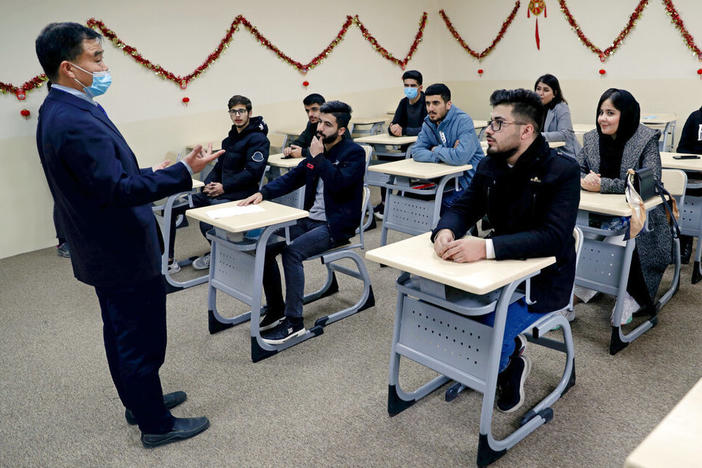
[(171, 400), (183, 428)]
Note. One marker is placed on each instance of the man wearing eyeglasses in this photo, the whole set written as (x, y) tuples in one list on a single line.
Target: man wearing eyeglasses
[(238, 172), (448, 136), (530, 195)]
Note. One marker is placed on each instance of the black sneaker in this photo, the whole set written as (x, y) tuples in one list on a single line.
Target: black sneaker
[(270, 320), (285, 331), (510, 384), (62, 250)]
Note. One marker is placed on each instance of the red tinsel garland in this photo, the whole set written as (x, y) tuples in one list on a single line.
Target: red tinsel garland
[(183, 81), (604, 54), (498, 38), (678, 22)]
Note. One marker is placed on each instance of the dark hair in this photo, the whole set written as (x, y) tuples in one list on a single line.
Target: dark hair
[(240, 100), (340, 110), (625, 103), (525, 104), (412, 75), (440, 89), (61, 41), (552, 82), (313, 98)]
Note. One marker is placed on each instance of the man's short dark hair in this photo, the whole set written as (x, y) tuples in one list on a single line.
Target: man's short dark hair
[(340, 110), (525, 104), (313, 98), (439, 89), (61, 41), (412, 75), (240, 100)]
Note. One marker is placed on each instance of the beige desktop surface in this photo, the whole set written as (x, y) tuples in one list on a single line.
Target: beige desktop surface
[(273, 213), (668, 161), (385, 139), (419, 170), (675, 442), (416, 255), (278, 160), (613, 204)]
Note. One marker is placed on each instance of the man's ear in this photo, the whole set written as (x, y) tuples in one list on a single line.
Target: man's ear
[(65, 69), (342, 130)]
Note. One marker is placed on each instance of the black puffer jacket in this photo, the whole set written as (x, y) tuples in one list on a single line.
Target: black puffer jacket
[(533, 207), (241, 167)]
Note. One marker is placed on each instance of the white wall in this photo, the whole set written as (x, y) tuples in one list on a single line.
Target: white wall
[(653, 63)]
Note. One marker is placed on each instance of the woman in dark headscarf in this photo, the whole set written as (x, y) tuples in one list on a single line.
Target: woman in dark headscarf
[(620, 143)]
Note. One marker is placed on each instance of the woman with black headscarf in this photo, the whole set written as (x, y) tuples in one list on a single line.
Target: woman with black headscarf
[(620, 143)]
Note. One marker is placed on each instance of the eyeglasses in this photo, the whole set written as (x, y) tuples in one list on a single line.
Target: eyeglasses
[(496, 125), (238, 111)]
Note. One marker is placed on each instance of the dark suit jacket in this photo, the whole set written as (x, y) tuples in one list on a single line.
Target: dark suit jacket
[(103, 200), (533, 207), (342, 169)]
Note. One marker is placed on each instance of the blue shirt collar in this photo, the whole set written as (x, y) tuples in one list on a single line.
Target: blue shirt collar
[(74, 92)]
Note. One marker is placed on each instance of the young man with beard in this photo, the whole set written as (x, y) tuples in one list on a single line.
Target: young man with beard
[(300, 146), (530, 195), (238, 171), (332, 174), (448, 136)]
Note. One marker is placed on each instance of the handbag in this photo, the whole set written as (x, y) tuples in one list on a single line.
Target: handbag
[(635, 201), (644, 182)]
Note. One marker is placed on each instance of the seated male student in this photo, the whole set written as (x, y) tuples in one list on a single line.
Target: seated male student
[(237, 173), (332, 174), (447, 135), (690, 142), (530, 195), (408, 119), (300, 146)]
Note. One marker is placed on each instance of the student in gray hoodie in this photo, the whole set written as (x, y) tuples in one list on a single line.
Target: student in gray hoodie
[(448, 136)]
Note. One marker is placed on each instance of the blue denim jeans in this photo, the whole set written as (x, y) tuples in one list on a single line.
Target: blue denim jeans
[(309, 237), (518, 319)]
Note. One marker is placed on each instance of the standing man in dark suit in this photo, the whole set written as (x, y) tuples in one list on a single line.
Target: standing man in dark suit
[(103, 203), (530, 194)]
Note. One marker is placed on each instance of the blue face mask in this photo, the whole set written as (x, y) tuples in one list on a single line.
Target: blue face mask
[(411, 92), (101, 81)]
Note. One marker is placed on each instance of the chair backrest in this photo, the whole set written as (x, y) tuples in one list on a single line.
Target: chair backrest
[(675, 182), (277, 141), (369, 153), (263, 176), (364, 208)]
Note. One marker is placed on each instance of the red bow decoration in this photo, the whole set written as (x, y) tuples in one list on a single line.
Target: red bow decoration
[(536, 7)]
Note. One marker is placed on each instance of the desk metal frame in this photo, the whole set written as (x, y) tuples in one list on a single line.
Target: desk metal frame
[(438, 333), (605, 267)]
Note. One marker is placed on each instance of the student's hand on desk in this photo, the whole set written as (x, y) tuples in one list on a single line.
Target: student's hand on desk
[(213, 189), (396, 130), (470, 249), (162, 165), (316, 147), (295, 151), (199, 157), (591, 182), (255, 199), (286, 151), (442, 240)]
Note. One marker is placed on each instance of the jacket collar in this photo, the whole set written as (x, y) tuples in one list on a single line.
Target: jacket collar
[(96, 111)]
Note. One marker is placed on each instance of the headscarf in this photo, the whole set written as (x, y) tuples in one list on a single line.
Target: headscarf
[(612, 149)]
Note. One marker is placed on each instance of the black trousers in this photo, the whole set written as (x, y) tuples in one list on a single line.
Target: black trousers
[(134, 330)]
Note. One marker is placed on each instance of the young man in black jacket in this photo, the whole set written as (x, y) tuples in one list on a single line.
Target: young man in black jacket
[(332, 174), (300, 146), (238, 171), (530, 195), (407, 121)]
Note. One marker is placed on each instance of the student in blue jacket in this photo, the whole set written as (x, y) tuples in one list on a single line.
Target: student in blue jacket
[(448, 136), (332, 174)]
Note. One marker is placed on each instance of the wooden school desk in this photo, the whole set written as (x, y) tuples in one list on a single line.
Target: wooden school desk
[(163, 214), (236, 266), (414, 215), (385, 147), (435, 301), (279, 164), (675, 442), (691, 211), (605, 267)]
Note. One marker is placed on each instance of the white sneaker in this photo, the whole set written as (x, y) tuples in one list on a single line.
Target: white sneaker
[(173, 267), (629, 306), (202, 263)]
